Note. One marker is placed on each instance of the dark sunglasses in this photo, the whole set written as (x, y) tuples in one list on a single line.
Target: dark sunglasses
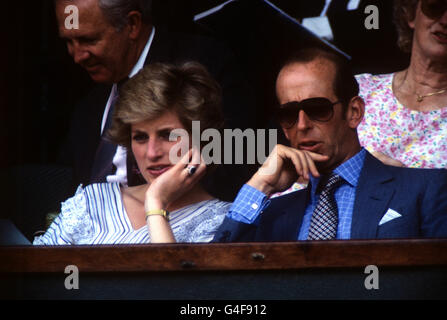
[(317, 109), (433, 9)]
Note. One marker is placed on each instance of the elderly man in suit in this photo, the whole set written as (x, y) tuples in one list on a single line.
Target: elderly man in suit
[(350, 194), (115, 39)]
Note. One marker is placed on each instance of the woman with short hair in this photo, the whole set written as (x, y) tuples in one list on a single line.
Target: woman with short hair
[(153, 110)]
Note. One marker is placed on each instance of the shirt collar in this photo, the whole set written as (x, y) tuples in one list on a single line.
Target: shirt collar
[(348, 170), (140, 63)]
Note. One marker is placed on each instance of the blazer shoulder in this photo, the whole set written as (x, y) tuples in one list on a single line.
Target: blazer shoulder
[(94, 102), (374, 171)]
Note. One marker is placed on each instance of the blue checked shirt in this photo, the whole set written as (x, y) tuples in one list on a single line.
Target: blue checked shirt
[(250, 201)]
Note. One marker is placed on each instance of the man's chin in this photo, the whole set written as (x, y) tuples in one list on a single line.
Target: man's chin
[(99, 74), (323, 167), (100, 78)]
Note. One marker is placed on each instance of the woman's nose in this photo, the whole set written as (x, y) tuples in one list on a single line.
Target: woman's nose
[(154, 149)]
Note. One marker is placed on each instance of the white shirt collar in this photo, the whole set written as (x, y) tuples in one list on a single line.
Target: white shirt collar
[(140, 63)]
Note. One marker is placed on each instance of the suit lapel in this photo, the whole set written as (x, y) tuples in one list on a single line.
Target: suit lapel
[(155, 53), (373, 195), (162, 48), (94, 111), (87, 132)]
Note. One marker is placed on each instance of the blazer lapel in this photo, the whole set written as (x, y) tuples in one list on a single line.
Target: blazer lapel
[(85, 133), (159, 50), (165, 48), (373, 195)]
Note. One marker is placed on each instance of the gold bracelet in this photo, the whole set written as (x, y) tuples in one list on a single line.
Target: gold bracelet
[(158, 212)]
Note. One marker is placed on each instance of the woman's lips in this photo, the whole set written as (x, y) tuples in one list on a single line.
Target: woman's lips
[(440, 36), (158, 170)]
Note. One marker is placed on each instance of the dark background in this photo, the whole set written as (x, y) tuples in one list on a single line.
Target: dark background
[(40, 84)]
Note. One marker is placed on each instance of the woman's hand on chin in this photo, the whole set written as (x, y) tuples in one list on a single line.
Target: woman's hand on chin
[(176, 182)]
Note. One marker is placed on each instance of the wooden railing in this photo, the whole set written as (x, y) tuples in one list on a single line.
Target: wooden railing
[(236, 256), (415, 268)]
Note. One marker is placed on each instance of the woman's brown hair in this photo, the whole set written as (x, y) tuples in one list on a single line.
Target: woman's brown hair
[(403, 12), (187, 89)]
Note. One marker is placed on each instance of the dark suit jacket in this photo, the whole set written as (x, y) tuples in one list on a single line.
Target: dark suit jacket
[(84, 134), (419, 195)]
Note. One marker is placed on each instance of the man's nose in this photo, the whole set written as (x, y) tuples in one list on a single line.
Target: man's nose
[(78, 53), (303, 122)]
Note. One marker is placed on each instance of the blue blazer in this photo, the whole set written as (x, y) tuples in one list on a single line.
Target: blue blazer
[(418, 195)]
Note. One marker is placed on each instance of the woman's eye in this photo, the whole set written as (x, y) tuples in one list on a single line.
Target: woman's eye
[(140, 137), (166, 134)]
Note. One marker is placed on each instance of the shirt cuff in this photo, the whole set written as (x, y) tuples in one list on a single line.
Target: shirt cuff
[(248, 204)]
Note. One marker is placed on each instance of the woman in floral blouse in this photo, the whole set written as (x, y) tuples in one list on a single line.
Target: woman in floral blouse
[(405, 121)]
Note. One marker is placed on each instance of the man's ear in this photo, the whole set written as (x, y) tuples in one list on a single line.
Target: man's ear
[(355, 112), (134, 23)]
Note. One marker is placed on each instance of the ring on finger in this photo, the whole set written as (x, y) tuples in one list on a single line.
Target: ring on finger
[(191, 170)]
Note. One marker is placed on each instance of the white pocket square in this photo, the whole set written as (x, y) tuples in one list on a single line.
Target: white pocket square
[(389, 215)]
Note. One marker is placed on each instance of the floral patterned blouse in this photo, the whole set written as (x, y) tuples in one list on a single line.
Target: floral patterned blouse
[(418, 139)]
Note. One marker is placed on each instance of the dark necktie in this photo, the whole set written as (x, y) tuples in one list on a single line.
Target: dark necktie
[(324, 222), (103, 162)]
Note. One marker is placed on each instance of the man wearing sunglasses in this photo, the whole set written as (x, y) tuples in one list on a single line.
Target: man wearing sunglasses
[(351, 195)]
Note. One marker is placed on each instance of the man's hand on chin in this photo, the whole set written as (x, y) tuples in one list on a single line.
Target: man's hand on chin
[(283, 167)]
